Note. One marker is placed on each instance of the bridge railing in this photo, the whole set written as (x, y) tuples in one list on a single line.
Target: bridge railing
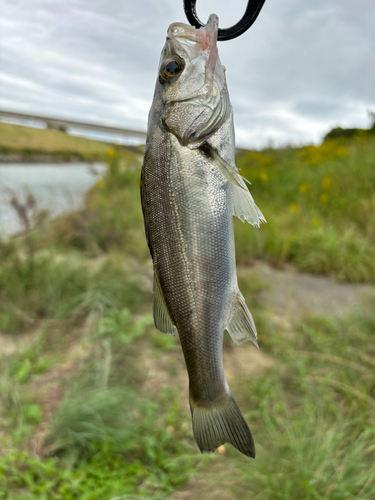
[(66, 125)]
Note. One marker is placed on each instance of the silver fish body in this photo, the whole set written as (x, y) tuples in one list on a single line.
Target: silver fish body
[(190, 191)]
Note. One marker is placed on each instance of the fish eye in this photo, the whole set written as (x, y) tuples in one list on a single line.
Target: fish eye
[(171, 69)]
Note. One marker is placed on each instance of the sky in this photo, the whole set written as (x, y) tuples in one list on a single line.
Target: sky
[(301, 69)]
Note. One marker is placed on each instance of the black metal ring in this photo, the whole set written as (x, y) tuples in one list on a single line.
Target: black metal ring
[(252, 11)]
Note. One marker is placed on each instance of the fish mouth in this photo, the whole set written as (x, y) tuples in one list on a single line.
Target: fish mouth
[(195, 42), (205, 36)]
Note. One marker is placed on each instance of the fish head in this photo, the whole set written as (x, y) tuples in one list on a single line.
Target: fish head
[(189, 62), (191, 82)]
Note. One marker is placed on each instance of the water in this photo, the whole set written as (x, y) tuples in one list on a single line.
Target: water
[(59, 188)]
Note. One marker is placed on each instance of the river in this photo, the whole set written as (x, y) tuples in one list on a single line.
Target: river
[(59, 188)]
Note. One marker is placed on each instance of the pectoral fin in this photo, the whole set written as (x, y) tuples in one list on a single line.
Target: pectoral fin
[(241, 326), (244, 206), (162, 318), (230, 173)]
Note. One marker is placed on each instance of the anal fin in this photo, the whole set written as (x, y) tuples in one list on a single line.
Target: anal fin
[(241, 326), (162, 318)]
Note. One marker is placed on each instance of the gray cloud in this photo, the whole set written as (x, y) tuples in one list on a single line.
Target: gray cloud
[(299, 70)]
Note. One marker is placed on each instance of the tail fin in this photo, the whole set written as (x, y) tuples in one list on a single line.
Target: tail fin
[(219, 422)]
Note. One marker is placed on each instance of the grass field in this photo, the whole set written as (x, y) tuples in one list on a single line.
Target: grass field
[(94, 400), (27, 141)]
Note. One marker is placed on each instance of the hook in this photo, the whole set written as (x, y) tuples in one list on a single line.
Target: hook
[(252, 11)]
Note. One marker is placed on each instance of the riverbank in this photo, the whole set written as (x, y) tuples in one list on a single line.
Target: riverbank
[(35, 158), (21, 144), (28, 190)]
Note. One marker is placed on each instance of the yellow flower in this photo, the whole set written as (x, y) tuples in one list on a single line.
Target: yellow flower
[(255, 158), (294, 208), (264, 176), (328, 151), (315, 222), (111, 152), (303, 187), (327, 182), (101, 183), (323, 197)]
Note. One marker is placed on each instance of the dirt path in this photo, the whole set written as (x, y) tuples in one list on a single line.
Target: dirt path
[(291, 293), (287, 293)]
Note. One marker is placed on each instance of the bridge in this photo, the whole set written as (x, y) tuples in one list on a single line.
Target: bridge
[(67, 125)]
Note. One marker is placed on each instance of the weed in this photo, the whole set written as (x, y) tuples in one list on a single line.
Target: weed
[(56, 286), (319, 204), (112, 218), (315, 416), (118, 325), (312, 415), (105, 476)]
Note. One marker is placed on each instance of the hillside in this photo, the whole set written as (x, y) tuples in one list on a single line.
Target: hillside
[(29, 141)]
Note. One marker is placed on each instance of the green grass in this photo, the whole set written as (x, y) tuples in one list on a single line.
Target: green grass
[(106, 476), (312, 415), (55, 286), (319, 202), (28, 141), (315, 412), (107, 438)]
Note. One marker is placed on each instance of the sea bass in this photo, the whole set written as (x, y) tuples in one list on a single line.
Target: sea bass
[(190, 190)]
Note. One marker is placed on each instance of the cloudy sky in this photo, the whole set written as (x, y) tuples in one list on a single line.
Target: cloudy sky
[(302, 68)]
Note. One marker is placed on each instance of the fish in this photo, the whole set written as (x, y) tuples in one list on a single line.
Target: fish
[(190, 190)]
